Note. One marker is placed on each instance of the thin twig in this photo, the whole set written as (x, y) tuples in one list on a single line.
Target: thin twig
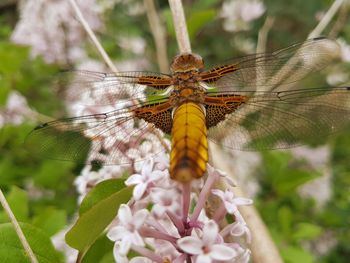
[(93, 37), (159, 36), (180, 26), (261, 47), (326, 19), (263, 32), (17, 228)]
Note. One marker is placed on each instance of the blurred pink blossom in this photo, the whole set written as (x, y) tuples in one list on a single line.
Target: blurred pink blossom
[(238, 14), (50, 27), (344, 49), (15, 110)]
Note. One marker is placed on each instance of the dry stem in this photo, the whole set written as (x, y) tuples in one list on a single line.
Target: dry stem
[(158, 35), (93, 37), (180, 26), (263, 32), (326, 19)]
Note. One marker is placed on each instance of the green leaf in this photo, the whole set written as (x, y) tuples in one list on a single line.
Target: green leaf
[(100, 207), (169, 22), (101, 191), (18, 201), (100, 251), (292, 179), (51, 220), (284, 177), (296, 255), (11, 57), (52, 172), (4, 91), (12, 251), (198, 19), (307, 231), (108, 258), (285, 217)]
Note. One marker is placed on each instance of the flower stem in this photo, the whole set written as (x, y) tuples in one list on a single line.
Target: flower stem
[(202, 196), (186, 200)]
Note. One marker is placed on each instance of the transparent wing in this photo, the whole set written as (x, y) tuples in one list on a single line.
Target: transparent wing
[(270, 120), (109, 138), (100, 89), (278, 70)]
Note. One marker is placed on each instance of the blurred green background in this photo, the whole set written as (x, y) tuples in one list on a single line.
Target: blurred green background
[(41, 191)]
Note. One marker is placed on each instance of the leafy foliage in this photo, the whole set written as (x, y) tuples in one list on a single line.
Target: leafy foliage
[(11, 250), (97, 211)]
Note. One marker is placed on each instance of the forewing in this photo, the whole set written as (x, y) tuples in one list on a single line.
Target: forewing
[(278, 70), (107, 138), (100, 89), (270, 120)]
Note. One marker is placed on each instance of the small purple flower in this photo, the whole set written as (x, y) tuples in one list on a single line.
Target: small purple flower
[(145, 180), (127, 231), (230, 201), (240, 228), (205, 247), (165, 200)]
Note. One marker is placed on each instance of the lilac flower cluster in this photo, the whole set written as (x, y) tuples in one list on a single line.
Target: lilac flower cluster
[(237, 15), (51, 29), (170, 222)]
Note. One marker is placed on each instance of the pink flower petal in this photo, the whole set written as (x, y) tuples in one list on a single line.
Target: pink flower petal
[(139, 218), (237, 229), (191, 245), (222, 252), (124, 214), (229, 196), (139, 190), (204, 258), (243, 201), (116, 254), (134, 179), (155, 175), (140, 260), (117, 233), (147, 167), (124, 246), (210, 232), (218, 193), (231, 208), (137, 240)]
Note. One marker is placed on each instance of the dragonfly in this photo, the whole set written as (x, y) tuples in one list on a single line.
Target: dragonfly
[(255, 102)]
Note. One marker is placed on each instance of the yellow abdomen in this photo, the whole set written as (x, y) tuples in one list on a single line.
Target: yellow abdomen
[(189, 144)]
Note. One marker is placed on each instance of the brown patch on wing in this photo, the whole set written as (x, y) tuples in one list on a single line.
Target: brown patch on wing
[(217, 107), (158, 114)]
